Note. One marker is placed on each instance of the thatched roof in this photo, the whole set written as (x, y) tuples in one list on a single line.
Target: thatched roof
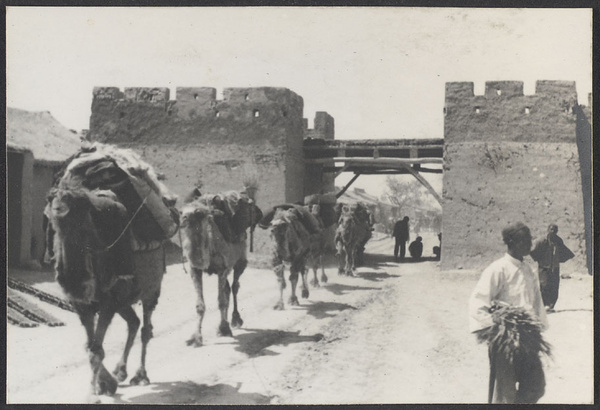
[(40, 133)]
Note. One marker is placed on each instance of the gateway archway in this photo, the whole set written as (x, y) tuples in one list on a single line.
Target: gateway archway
[(376, 157)]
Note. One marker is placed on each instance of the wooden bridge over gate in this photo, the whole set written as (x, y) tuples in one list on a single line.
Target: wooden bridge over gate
[(377, 157)]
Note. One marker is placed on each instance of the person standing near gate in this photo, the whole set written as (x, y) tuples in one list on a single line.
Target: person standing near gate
[(401, 234), (549, 253), (506, 311)]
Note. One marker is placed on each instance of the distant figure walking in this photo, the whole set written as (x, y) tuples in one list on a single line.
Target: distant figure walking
[(416, 248), (437, 250), (549, 253), (402, 236)]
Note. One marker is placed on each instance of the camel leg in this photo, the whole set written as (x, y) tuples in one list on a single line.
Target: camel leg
[(133, 324), (315, 281), (295, 269), (102, 380), (196, 339), (341, 254), (323, 276), (349, 262), (313, 264), (141, 377), (86, 316), (304, 273), (238, 269), (224, 292), (279, 269)]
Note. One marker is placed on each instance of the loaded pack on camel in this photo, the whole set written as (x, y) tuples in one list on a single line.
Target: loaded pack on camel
[(108, 216), (353, 232), (293, 230), (214, 240)]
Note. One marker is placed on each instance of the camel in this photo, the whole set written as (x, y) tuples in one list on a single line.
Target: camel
[(101, 275), (214, 241), (317, 246), (108, 217), (353, 231), (294, 232)]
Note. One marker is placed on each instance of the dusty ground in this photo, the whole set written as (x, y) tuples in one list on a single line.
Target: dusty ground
[(397, 333)]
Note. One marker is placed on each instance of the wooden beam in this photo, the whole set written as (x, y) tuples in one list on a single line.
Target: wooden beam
[(364, 169), (343, 169), (344, 189), (383, 161), (426, 184)]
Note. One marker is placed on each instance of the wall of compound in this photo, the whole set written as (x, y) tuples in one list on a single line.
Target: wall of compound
[(510, 157), (252, 133)]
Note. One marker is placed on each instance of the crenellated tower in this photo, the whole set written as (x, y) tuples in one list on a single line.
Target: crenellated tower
[(510, 157)]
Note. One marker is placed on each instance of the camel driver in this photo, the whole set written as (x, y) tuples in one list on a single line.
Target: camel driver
[(549, 253), (416, 248), (509, 284), (401, 234)]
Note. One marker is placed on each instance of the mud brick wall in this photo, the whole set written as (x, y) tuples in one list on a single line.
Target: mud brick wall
[(510, 157), (196, 138)]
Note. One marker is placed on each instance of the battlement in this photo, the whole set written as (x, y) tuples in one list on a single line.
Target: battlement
[(199, 95), (324, 127), (459, 91), (193, 102), (504, 113)]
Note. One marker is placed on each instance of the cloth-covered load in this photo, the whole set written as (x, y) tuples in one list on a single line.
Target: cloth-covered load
[(326, 204), (150, 206), (310, 223), (320, 199)]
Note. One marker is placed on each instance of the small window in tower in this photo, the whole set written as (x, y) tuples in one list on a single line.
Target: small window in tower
[(217, 114), (284, 112), (498, 91), (247, 97), (527, 110), (256, 113), (195, 96), (152, 98), (477, 110), (445, 111)]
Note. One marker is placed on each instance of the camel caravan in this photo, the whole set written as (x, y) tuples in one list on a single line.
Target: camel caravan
[(108, 218)]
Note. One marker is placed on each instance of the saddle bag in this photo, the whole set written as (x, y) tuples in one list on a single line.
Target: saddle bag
[(150, 207)]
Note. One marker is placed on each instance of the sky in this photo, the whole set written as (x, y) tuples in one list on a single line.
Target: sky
[(380, 72)]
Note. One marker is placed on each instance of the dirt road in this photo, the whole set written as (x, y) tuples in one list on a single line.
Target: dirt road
[(396, 333)]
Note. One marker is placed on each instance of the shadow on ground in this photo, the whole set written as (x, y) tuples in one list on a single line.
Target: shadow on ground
[(423, 259), (320, 310), (340, 289), (376, 276), (376, 259), (256, 341), (192, 393)]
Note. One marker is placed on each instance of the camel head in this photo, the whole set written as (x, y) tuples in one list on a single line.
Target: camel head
[(346, 223), (74, 240), (196, 230)]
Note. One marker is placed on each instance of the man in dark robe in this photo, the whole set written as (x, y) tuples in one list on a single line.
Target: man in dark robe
[(549, 253), (402, 236)]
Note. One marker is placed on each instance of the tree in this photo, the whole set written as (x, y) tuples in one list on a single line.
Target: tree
[(405, 194)]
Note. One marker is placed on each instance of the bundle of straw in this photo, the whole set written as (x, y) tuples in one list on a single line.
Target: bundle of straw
[(515, 333)]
